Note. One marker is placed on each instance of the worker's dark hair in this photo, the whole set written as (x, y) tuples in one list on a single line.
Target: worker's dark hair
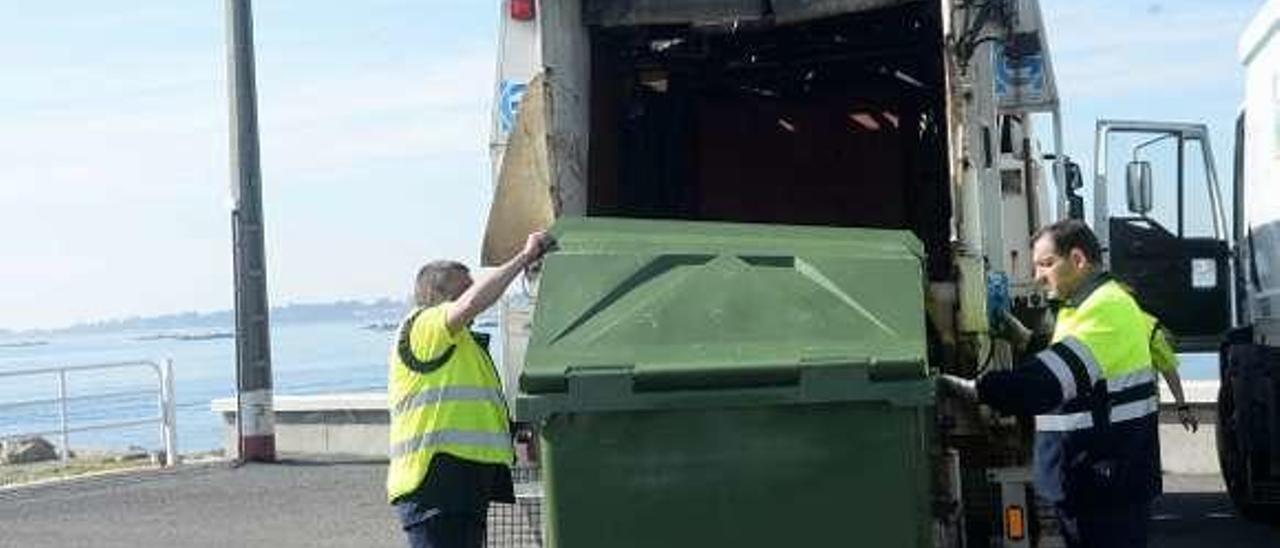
[(1071, 234)]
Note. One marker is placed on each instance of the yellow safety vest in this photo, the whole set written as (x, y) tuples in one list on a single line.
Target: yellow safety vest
[(1105, 338), (449, 401)]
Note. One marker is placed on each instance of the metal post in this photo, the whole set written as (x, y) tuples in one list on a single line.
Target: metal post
[(62, 416), (1101, 228), (1063, 204), (235, 267), (955, 528), (253, 348), (169, 413), (1182, 185)]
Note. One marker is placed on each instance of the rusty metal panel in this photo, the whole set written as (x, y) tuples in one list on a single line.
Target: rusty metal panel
[(622, 13), (792, 11), (627, 13), (523, 200)]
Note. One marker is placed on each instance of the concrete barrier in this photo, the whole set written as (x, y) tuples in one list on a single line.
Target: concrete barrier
[(1183, 452), (356, 424)]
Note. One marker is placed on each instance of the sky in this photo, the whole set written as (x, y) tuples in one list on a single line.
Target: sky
[(374, 120), (115, 169), (1173, 60)]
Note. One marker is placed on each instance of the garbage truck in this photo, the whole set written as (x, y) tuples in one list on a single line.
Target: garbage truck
[(1248, 414), (777, 221), (1208, 266)]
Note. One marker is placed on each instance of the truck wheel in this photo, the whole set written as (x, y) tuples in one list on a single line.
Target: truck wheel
[(1233, 461), (1230, 460)]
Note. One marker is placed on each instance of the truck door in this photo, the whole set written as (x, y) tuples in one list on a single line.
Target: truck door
[(1167, 235)]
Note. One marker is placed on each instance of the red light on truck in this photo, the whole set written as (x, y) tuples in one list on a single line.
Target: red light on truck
[(523, 10)]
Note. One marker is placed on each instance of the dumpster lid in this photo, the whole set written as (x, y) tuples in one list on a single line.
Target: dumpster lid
[(676, 306)]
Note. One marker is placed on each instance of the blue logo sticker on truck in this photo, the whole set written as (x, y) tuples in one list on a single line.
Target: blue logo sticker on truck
[(1021, 80), (510, 92)]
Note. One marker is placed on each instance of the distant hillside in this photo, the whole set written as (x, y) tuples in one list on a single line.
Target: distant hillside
[(381, 311)]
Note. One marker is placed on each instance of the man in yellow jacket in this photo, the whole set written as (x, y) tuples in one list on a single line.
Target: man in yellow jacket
[(450, 437), (1092, 393)]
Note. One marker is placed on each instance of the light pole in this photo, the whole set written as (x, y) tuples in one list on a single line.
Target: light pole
[(254, 415)]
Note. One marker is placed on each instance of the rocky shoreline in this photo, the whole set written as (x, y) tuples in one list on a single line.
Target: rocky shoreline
[(33, 459)]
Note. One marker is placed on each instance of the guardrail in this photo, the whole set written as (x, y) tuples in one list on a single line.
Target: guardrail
[(165, 404)]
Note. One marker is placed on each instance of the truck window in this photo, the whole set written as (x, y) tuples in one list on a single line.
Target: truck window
[(1197, 206), (1161, 152)]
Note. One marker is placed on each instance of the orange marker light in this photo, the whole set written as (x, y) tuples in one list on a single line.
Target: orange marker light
[(1015, 523)]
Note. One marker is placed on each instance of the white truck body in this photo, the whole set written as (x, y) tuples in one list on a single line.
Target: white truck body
[(1248, 406), (1259, 51)]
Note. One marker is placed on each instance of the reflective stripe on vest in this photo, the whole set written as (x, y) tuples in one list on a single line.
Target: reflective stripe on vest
[(1084, 420), (1073, 365), (491, 440), (1125, 382), (434, 396), (1120, 410)]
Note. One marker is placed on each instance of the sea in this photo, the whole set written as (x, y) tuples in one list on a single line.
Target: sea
[(307, 358)]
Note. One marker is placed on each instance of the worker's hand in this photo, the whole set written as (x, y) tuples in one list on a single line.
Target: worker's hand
[(535, 246), (1011, 329), (526, 442), (965, 389), (1187, 417)]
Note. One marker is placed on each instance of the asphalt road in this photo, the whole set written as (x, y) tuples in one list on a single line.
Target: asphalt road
[(282, 505), (340, 504), (1195, 511)]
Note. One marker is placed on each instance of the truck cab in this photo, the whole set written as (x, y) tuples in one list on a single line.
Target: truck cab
[(1168, 238)]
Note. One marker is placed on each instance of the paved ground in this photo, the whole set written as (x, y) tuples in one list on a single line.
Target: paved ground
[(339, 504), (284, 505), (1195, 511)]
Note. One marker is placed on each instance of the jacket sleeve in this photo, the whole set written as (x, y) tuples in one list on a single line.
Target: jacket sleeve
[(1043, 382), (1163, 357), (1028, 389)]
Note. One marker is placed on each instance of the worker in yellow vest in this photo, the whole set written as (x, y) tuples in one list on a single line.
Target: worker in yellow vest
[(1093, 395), (1163, 358), (451, 447)]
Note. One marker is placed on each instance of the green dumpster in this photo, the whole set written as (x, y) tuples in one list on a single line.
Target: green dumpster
[(711, 384)]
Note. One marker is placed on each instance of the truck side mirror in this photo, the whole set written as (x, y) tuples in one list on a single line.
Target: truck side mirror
[(1073, 181), (1138, 186)]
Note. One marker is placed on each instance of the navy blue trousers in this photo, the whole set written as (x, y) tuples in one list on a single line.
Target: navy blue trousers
[(1111, 527), (445, 529)]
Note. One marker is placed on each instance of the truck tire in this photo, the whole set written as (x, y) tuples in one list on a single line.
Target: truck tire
[(1230, 461), (1233, 455)]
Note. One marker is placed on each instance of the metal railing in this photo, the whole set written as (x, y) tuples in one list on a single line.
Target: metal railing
[(165, 404)]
